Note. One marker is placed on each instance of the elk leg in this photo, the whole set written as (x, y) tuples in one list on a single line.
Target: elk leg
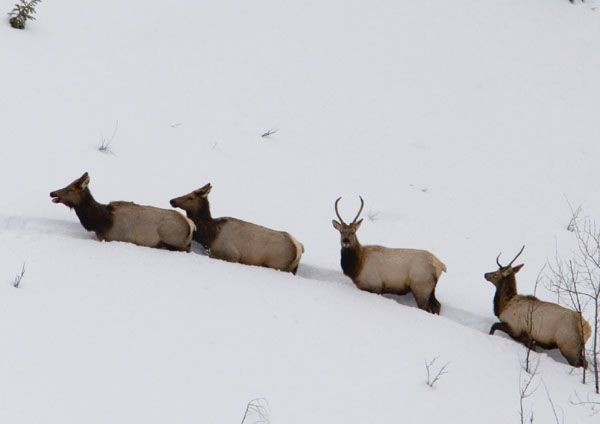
[(575, 359), (500, 326), (433, 305), (422, 302)]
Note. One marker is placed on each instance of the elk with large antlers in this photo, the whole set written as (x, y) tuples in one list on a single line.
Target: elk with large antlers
[(126, 221), (534, 322), (379, 269), (234, 240)]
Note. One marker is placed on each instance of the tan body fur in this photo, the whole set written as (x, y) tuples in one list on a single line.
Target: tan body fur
[(126, 221), (534, 322), (386, 270), (234, 240), (149, 226), (251, 244), (549, 325)]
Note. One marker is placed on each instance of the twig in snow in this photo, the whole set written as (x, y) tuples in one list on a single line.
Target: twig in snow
[(257, 412), (19, 277), (556, 420), (104, 145), (526, 389), (574, 221), (269, 132), (592, 401), (432, 376), (373, 215)]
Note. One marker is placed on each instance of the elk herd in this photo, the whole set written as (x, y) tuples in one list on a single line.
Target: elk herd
[(372, 268)]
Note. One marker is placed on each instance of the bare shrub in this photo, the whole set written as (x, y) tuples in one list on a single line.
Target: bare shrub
[(592, 401), (575, 216), (528, 385), (257, 412), (105, 143), (17, 281), (576, 282), (433, 376), (269, 133), (373, 215)]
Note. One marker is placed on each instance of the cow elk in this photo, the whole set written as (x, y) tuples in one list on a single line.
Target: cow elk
[(126, 221), (379, 269), (533, 322), (234, 240)]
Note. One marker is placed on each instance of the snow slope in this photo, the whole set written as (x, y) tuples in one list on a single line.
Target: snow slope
[(463, 124)]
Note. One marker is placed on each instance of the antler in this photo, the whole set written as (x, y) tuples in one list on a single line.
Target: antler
[(362, 204), (518, 254), (498, 260), (511, 262), (337, 212)]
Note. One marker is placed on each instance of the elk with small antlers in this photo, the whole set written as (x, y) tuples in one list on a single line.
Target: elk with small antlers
[(379, 269), (534, 322)]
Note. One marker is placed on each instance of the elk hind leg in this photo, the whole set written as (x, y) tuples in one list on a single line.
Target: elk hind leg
[(575, 357), (427, 302), (425, 297)]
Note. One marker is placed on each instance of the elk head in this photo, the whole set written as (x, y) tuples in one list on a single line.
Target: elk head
[(73, 194), (503, 271), (348, 231), (193, 202)]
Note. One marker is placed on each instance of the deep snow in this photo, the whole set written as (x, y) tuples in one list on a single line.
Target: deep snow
[(465, 125)]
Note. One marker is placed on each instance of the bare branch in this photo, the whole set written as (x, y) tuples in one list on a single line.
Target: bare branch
[(592, 401), (105, 143), (527, 387), (432, 376), (17, 281), (269, 133), (556, 420), (257, 412)]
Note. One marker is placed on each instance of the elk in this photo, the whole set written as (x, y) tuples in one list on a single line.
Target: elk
[(234, 240), (379, 269), (126, 221), (534, 322)]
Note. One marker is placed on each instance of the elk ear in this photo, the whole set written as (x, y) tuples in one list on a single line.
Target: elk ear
[(204, 190), (356, 225), (336, 225), (517, 268), (84, 181)]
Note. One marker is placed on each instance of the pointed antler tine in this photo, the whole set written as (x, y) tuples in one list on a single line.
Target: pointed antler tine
[(362, 205), (518, 254), (498, 260), (337, 212)]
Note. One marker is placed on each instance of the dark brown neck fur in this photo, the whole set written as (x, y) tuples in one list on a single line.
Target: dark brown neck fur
[(207, 228), (505, 291), (94, 216), (351, 261)]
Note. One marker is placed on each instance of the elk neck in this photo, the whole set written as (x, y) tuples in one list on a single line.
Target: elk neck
[(94, 216), (505, 291), (207, 228), (351, 260)]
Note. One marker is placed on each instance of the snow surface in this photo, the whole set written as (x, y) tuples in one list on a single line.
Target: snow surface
[(465, 125)]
